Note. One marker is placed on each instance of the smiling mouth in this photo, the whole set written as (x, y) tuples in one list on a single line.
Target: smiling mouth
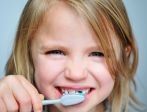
[(67, 91)]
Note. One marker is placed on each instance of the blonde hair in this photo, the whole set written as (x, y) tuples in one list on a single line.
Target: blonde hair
[(105, 17)]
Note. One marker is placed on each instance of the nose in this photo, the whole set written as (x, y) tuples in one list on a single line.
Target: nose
[(76, 70)]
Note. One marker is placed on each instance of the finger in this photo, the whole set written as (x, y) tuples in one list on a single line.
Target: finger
[(41, 97), (35, 96), (10, 101), (7, 100), (2, 106), (20, 93)]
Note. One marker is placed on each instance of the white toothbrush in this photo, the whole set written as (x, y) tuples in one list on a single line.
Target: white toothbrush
[(66, 100)]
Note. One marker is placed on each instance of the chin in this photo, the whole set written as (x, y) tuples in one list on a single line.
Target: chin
[(75, 108)]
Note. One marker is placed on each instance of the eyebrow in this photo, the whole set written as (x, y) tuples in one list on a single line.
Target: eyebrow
[(91, 48), (54, 46)]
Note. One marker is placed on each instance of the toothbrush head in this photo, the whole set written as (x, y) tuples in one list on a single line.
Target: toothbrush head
[(72, 99)]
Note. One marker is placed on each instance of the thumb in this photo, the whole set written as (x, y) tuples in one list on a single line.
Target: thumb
[(41, 96)]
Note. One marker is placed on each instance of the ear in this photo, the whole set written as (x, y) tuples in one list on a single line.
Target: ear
[(128, 50)]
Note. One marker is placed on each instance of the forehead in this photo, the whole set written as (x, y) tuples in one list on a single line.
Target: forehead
[(62, 16), (62, 21)]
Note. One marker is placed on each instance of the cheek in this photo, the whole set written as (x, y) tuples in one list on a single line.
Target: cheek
[(46, 71), (102, 75)]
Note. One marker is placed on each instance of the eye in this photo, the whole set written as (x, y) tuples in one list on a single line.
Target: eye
[(97, 54), (55, 52)]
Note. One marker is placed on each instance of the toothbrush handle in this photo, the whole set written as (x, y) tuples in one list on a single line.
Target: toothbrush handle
[(49, 102)]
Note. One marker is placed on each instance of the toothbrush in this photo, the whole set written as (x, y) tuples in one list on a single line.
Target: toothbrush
[(66, 100)]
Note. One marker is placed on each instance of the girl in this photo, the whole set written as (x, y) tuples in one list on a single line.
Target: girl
[(64, 46)]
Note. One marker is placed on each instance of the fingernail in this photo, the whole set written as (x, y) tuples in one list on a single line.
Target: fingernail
[(41, 96)]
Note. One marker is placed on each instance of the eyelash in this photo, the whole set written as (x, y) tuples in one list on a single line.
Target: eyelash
[(58, 52), (97, 54)]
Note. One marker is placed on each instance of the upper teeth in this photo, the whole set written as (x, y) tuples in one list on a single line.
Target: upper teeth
[(85, 91)]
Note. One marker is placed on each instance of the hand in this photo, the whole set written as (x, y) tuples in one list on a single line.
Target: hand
[(18, 95)]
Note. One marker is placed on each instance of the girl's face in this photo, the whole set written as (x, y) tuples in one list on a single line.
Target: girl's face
[(67, 58)]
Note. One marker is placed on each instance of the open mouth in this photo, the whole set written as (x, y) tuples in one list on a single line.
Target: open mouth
[(67, 91)]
